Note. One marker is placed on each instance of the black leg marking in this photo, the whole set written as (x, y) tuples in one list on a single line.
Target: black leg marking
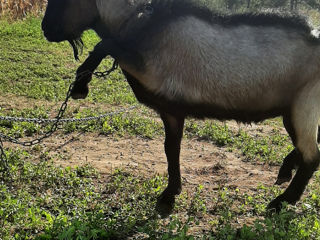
[(174, 131), (84, 72), (102, 49), (290, 163), (296, 188), (306, 168)]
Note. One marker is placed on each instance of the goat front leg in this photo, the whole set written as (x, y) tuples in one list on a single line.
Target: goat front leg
[(174, 131), (84, 72)]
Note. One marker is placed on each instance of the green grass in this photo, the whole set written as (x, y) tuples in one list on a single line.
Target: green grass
[(43, 201), (52, 68)]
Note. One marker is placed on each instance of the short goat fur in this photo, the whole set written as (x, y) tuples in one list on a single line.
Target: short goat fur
[(182, 60)]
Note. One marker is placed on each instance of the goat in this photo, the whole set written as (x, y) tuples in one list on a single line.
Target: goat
[(184, 60)]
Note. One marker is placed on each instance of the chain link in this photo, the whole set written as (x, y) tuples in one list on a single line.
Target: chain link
[(107, 72), (64, 120), (48, 134), (55, 122)]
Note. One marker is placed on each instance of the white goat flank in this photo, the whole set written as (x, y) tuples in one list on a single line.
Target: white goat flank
[(228, 67), (231, 67)]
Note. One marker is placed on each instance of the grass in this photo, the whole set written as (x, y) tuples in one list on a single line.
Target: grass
[(44, 201)]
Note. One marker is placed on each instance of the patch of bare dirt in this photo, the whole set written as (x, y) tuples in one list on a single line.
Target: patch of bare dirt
[(201, 162)]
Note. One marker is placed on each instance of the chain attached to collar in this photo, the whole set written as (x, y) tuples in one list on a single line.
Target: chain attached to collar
[(4, 165), (106, 73)]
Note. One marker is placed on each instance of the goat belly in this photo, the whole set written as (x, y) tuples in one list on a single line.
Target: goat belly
[(181, 108)]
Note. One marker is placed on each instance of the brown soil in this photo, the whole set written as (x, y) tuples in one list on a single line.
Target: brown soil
[(201, 162)]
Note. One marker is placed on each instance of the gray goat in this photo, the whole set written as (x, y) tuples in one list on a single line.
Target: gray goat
[(182, 60)]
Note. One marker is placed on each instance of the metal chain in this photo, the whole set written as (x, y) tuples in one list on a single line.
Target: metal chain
[(53, 128), (56, 121), (48, 134), (107, 72), (56, 124), (64, 120)]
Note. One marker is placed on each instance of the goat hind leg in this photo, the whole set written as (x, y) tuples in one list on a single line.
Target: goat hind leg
[(296, 188), (290, 163), (305, 115), (293, 159), (174, 131)]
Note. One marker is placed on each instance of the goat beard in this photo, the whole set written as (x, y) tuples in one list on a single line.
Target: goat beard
[(76, 44)]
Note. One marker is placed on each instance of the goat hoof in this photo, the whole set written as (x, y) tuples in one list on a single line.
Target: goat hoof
[(79, 91), (165, 205), (284, 176), (282, 180), (276, 205)]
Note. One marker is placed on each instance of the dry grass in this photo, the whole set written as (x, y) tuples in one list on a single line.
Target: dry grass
[(16, 9)]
